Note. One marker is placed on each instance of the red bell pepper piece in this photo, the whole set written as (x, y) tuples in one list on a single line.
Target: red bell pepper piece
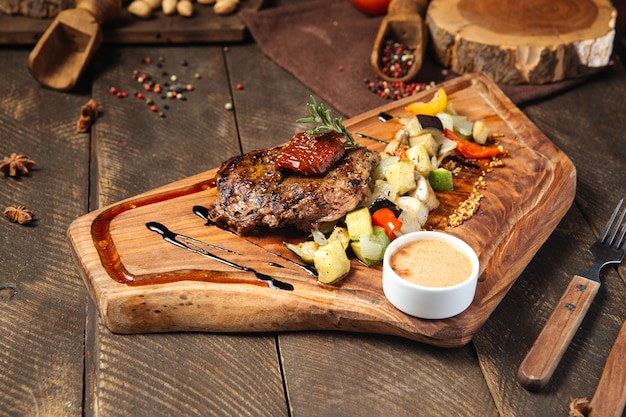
[(386, 218), (401, 152), (472, 150)]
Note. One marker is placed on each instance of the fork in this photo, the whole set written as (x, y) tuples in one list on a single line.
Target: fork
[(545, 354)]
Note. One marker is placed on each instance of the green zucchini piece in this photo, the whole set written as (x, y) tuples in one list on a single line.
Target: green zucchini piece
[(441, 180)]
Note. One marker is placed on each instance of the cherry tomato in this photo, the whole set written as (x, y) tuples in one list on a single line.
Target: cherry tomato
[(372, 7)]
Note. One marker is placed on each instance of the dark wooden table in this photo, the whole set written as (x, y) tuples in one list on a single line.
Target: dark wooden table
[(58, 359)]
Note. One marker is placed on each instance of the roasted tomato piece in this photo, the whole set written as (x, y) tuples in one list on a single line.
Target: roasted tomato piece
[(311, 154)]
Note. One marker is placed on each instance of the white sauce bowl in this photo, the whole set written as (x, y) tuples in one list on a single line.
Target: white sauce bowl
[(429, 302)]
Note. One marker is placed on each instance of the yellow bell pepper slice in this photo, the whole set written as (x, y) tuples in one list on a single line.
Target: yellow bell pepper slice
[(431, 108)]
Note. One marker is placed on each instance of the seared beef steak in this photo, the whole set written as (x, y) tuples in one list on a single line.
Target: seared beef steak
[(253, 194)]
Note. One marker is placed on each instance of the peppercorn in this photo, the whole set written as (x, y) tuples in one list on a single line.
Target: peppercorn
[(239, 86)]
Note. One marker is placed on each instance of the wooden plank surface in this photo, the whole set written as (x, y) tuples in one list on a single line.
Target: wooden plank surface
[(133, 150), (577, 127), (47, 336), (203, 26), (42, 301)]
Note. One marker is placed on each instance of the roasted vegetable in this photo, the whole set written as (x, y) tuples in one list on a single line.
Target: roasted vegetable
[(441, 180), (331, 262), (359, 222)]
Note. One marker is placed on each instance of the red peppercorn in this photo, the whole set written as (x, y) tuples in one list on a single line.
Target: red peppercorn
[(140, 96), (147, 60), (239, 86), (153, 109), (113, 90)]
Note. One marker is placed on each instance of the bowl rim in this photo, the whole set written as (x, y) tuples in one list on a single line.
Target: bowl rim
[(431, 235)]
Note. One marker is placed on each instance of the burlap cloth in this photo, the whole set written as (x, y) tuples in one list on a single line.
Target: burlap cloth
[(326, 44)]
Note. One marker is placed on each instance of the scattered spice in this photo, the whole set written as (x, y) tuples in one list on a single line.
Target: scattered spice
[(239, 86), (395, 90), (579, 407), (88, 115), (16, 165), (19, 214)]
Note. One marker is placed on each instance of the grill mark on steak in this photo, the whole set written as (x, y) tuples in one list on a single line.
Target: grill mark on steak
[(253, 195)]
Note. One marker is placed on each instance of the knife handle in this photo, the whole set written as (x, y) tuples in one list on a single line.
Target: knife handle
[(545, 354), (610, 397)]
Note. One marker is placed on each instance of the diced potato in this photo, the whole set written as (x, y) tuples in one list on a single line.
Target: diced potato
[(331, 262), (383, 189), (420, 158), (304, 250), (427, 140), (381, 169), (401, 174), (359, 222), (341, 234)]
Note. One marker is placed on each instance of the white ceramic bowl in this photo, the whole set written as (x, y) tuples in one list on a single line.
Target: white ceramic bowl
[(429, 302)]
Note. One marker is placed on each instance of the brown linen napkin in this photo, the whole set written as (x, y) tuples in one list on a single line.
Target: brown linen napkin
[(326, 44)]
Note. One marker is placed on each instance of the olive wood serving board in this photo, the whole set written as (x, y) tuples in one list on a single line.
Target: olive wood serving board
[(143, 283)]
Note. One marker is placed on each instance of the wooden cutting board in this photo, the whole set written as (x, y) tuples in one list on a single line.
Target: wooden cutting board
[(140, 282), (530, 41), (203, 26)]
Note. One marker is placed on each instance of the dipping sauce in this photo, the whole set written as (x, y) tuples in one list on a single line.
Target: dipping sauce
[(431, 263)]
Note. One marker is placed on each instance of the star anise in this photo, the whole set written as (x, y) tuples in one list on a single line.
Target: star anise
[(15, 165), (19, 214), (579, 407)]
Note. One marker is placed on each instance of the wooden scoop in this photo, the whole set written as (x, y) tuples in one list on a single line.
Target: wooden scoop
[(69, 43), (404, 23)]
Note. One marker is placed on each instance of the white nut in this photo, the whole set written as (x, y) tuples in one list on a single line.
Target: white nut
[(224, 7), (184, 8), (169, 7), (140, 9)]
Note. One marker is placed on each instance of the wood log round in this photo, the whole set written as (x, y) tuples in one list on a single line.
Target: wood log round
[(515, 42)]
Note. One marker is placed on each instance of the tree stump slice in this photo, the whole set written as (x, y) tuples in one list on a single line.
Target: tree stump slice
[(516, 42)]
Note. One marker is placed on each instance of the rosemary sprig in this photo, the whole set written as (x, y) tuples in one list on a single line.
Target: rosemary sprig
[(319, 114)]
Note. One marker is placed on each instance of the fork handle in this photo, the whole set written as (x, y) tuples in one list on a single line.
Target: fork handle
[(545, 354), (610, 396)]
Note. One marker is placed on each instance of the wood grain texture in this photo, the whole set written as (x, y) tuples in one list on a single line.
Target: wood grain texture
[(134, 150), (610, 396), (341, 374), (577, 127), (544, 177), (42, 298), (204, 26), (522, 42)]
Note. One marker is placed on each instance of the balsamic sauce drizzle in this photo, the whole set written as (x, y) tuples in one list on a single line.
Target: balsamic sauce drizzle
[(203, 213), (192, 245)]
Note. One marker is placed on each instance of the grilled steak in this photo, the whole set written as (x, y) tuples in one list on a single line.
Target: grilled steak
[(253, 194)]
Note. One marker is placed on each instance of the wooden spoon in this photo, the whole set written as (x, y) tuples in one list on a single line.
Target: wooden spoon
[(69, 43), (404, 23)]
